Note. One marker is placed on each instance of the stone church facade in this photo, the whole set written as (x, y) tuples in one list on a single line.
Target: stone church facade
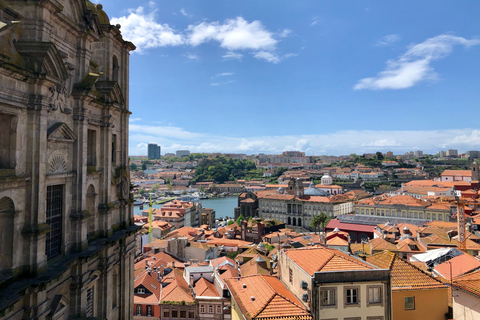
[(66, 219)]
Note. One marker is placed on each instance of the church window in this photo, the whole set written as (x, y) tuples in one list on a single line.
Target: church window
[(54, 220), (89, 309), (114, 148), (7, 141), (92, 148)]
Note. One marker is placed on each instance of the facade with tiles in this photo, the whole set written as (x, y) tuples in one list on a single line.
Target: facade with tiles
[(66, 227), (293, 207)]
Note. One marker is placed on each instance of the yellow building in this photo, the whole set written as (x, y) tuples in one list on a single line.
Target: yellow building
[(415, 294)]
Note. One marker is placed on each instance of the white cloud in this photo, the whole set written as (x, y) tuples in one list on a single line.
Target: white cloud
[(388, 40), (191, 56), (414, 65), (285, 33), (231, 55), (289, 55), (315, 20), (142, 29), (215, 84), (135, 119), (172, 138), (268, 56), (234, 34), (225, 74)]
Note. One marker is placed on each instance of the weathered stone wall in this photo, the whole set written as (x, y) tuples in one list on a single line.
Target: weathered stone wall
[(63, 74)]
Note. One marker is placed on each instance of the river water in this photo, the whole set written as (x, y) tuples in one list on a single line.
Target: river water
[(224, 207)]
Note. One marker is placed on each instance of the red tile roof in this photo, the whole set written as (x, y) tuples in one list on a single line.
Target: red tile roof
[(404, 275), (205, 288), (265, 297), (312, 260), (459, 265)]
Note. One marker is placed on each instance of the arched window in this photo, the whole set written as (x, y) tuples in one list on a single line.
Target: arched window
[(7, 212), (289, 221), (294, 221), (300, 222), (91, 208), (139, 309)]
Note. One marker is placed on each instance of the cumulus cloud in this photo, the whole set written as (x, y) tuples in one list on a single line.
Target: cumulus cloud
[(388, 40), (233, 35), (172, 138), (414, 65), (142, 29)]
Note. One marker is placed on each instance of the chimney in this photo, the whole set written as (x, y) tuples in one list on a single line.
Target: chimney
[(192, 282), (173, 264)]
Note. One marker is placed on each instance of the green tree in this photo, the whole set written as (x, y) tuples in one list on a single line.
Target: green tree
[(141, 191), (144, 166), (184, 192), (133, 166), (240, 219), (379, 155), (230, 222), (319, 220), (155, 187)]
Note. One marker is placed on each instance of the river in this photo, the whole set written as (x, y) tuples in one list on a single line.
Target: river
[(224, 207)]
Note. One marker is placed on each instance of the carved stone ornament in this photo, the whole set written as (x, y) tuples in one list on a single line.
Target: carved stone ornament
[(57, 163), (59, 99)]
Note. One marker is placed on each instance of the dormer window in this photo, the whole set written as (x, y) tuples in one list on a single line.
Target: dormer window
[(141, 290)]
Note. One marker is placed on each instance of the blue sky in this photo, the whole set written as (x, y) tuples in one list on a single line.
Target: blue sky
[(324, 77)]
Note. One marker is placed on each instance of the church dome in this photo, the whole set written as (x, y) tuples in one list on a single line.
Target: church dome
[(312, 191), (327, 179)]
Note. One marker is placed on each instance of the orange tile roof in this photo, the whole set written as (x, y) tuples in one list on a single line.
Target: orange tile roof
[(271, 299), (221, 261), (312, 260), (463, 173), (205, 288), (251, 267), (226, 272), (148, 280), (459, 265), (404, 275), (469, 282), (175, 288)]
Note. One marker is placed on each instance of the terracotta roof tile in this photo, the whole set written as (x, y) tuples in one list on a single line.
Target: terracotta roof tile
[(271, 299), (312, 260), (459, 265), (205, 288), (469, 282), (405, 276)]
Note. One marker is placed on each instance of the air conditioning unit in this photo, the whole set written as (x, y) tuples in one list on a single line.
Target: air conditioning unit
[(305, 297), (304, 285)]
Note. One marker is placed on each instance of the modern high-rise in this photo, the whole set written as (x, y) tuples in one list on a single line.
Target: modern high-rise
[(153, 151), (66, 220)]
